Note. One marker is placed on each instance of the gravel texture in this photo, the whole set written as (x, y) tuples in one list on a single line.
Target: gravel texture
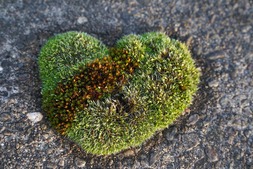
[(217, 130)]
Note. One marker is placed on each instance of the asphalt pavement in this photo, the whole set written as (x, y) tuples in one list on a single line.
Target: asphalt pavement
[(216, 131)]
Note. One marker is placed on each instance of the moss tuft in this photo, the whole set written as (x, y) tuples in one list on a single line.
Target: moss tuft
[(108, 100)]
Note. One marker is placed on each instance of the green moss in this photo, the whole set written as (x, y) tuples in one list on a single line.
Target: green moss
[(108, 100), (63, 54)]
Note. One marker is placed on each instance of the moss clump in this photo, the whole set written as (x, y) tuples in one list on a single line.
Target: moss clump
[(98, 78), (108, 100)]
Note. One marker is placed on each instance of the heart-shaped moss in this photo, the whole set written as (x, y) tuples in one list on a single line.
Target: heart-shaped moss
[(108, 100)]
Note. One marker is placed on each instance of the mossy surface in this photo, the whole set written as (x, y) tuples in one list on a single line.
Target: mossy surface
[(108, 100), (64, 54)]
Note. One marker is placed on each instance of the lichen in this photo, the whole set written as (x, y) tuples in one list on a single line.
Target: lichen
[(108, 100)]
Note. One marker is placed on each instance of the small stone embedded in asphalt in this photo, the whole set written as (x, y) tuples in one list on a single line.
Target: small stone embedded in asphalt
[(216, 55), (80, 162), (51, 165), (5, 116), (129, 153), (198, 152), (193, 119), (1, 69), (34, 117), (212, 154), (245, 29), (4, 93), (170, 134), (224, 101), (213, 83), (82, 19), (61, 163)]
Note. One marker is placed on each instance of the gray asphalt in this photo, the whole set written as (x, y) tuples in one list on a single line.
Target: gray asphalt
[(217, 130)]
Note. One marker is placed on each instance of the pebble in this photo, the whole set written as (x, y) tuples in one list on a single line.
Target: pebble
[(129, 153), (4, 93), (216, 55), (213, 83), (170, 135), (34, 117), (80, 162), (82, 19), (212, 154), (61, 163), (246, 29), (224, 101), (51, 165), (198, 152), (193, 119), (1, 69), (5, 116)]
